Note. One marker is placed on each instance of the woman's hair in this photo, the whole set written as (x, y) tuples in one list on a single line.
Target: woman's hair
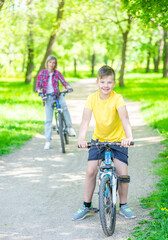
[(105, 71), (51, 57)]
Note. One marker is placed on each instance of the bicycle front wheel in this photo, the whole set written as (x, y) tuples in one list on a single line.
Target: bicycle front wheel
[(60, 120), (66, 136), (107, 209)]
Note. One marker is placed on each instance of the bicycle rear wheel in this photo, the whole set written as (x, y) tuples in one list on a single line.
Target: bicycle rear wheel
[(107, 209), (60, 120)]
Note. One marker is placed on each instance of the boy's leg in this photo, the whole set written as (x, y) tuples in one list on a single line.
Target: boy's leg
[(122, 169), (90, 183), (90, 180)]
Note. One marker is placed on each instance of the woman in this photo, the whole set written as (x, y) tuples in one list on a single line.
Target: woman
[(48, 81)]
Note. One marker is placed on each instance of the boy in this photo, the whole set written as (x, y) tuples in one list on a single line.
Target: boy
[(112, 125)]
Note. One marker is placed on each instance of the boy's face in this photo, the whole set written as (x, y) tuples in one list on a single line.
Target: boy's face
[(51, 65), (106, 84)]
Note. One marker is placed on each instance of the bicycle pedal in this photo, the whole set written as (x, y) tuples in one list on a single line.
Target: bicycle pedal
[(95, 210), (124, 178)]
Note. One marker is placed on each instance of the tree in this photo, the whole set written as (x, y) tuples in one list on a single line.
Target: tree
[(124, 47), (165, 54), (1, 3), (152, 13), (148, 55), (52, 38), (119, 16), (158, 54), (30, 44)]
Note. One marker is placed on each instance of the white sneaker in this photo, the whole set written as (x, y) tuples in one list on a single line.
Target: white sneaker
[(47, 146), (71, 132)]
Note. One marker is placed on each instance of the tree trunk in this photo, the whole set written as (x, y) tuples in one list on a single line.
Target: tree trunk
[(165, 54), (112, 62), (75, 66), (93, 63), (148, 56), (1, 3), (24, 62), (156, 64), (30, 45), (106, 60), (52, 39), (124, 48), (148, 62), (157, 58)]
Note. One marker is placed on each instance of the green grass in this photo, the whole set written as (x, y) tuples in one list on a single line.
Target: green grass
[(152, 91), (22, 114)]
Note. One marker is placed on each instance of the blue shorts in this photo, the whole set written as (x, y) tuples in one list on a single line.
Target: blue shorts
[(117, 152)]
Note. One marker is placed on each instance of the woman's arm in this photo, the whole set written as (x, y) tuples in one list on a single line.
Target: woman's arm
[(38, 84), (62, 79)]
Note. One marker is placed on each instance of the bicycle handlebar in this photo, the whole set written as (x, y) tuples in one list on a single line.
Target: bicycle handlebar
[(64, 92), (44, 96), (90, 144)]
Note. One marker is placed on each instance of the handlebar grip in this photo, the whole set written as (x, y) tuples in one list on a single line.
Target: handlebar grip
[(69, 90)]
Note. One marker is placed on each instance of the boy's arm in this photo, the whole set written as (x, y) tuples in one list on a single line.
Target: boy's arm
[(87, 114), (123, 114)]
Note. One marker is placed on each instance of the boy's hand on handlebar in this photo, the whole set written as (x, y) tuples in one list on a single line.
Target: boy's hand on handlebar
[(82, 143), (126, 142)]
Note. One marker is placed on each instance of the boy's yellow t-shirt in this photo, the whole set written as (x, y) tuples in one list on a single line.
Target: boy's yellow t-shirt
[(108, 124)]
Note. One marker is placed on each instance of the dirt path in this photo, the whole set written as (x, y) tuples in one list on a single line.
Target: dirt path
[(40, 190)]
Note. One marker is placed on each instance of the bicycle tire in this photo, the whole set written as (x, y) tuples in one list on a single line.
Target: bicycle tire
[(56, 123), (107, 210), (60, 120), (66, 136)]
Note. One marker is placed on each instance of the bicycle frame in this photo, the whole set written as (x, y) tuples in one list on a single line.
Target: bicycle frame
[(61, 126), (109, 171), (57, 110)]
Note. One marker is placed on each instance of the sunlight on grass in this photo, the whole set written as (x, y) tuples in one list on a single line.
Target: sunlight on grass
[(22, 114)]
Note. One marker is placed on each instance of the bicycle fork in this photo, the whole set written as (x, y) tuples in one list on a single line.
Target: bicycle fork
[(114, 185)]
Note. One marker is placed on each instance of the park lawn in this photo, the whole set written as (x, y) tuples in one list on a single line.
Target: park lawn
[(152, 91), (22, 114)]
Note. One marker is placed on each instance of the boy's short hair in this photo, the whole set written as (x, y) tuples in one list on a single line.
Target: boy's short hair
[(51, 57), (105, 71)]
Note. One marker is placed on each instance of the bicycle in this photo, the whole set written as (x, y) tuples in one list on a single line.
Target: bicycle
[(108, 186), (61, 126)]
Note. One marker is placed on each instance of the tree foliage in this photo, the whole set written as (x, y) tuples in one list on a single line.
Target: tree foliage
[(153, 11)]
